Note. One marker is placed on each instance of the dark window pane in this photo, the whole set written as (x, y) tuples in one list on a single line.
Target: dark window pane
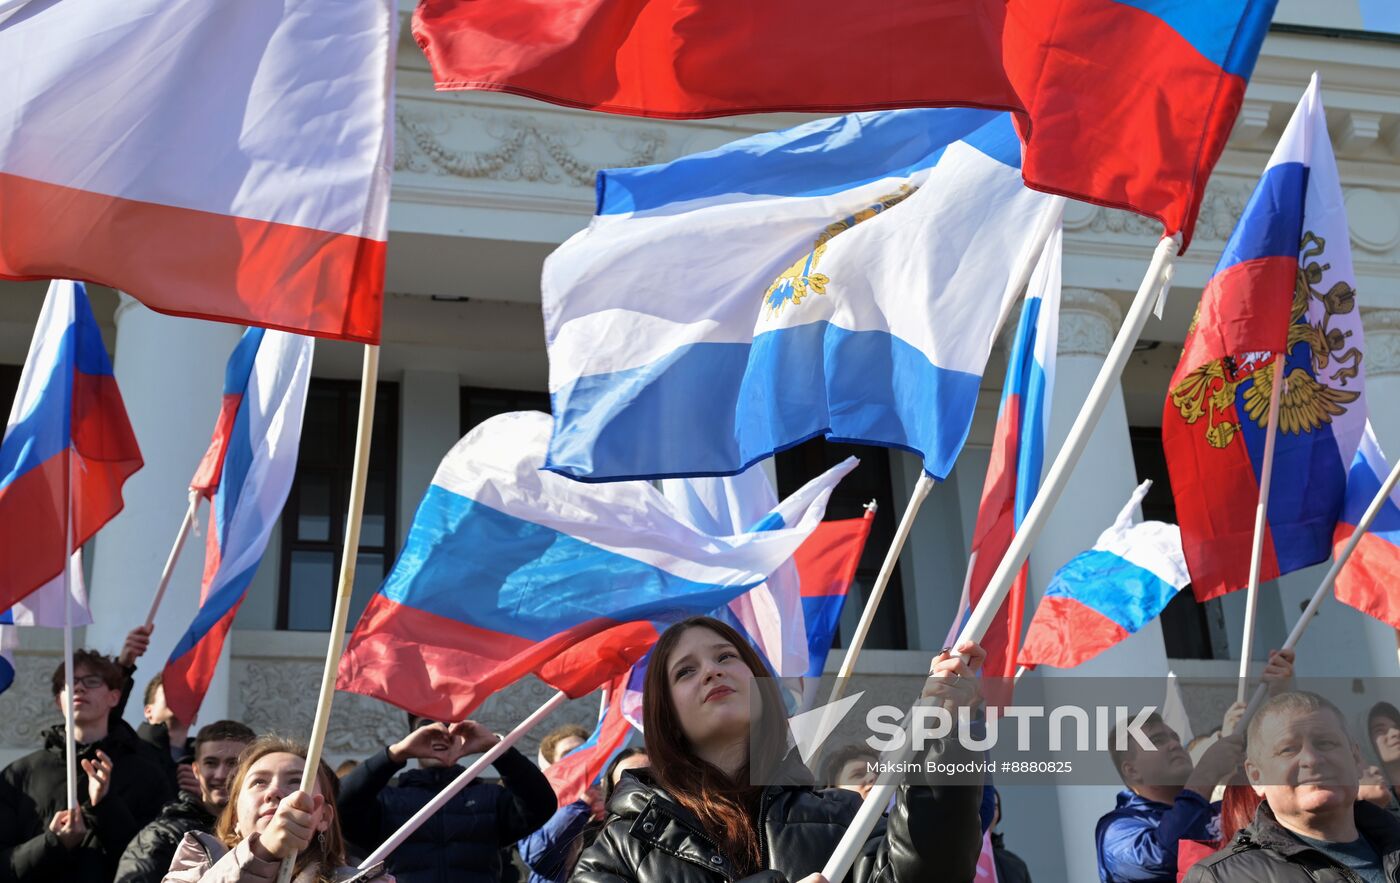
[(9, 384), (311, 591), (314, 507), (313, 526), (369, 575), (868, 481), (1190, 630), (479, 405)]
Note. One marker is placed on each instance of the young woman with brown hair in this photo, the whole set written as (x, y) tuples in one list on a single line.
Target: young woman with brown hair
[(269, 817), (694, 817)]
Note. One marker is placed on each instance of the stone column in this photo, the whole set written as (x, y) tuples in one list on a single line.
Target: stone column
[(1101, 483), (430, 404), (171, 376)]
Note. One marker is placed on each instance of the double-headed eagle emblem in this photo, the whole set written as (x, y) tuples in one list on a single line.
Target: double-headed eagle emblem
[(802, 278), (1305, 402)]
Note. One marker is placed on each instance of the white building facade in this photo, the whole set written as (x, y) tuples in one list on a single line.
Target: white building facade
[(485, 186)]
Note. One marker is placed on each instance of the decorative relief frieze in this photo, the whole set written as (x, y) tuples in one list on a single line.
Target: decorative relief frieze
[(1088, 322), (27, 707), (522, 148)]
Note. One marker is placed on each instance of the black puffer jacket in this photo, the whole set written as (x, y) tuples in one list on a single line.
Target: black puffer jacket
[(34, 788), (1267, 852), (933, 835), (462, 843), (148, 856)]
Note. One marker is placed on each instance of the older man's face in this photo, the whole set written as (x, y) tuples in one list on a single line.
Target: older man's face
[(1304, 763)]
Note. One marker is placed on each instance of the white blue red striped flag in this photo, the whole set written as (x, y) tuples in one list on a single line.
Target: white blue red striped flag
[(67, 422), (844, 278), (251, 461)]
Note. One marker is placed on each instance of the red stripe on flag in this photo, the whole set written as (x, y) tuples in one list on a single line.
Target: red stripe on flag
[(697, 60), (187, 679), (992, 535), (1245, 308), (444, 669), (1369, 580), (193, 263), (1064, 633), (1110, 121), (827, 560), (211, 467)]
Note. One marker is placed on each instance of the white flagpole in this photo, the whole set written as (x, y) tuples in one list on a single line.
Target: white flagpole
[(69, 736), (1018, 281), (1148, 293), (877, 592), (463, 779), (1338, 562), (369, 377), (1261, 517), (174, 556)]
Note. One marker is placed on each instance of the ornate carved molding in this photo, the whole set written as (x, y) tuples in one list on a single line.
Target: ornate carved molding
[(1088, 321), (278, 695), (1382, 328), (28, 707), (523, 148)]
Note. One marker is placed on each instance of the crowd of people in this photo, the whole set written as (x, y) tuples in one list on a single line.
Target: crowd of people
[(1289, 799)]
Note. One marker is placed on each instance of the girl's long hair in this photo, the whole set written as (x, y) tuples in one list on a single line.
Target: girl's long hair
[(727, 808), (329, 860)]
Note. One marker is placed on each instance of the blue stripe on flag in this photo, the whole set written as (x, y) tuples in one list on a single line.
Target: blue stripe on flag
[(1272, 222), (823, 616), (817, 158), (240, 363), (866, 387), (214, 608), (7, 673), (467, 561), (1113, 586), (1228, 32)]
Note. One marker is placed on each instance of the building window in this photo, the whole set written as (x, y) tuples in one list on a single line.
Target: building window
[(313, 522), (480, 404), (9, 385), (1190, 630), (868, 481)]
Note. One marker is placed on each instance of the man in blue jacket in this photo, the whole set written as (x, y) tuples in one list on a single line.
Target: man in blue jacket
[(462, 842), (1167, 798)]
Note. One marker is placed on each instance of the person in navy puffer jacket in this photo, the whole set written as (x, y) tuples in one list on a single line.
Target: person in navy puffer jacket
[(462, 842)]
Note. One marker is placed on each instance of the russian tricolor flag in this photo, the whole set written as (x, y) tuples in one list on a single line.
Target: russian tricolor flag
[(246, 474), (1018, 454), (1107, 593), (67, 420), (1284, 285), (574, 773), (214, 158), (1371, 578), (826, 566), (510, 570)]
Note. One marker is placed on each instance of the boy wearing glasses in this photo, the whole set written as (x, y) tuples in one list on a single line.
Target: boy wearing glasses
[(120, 787)]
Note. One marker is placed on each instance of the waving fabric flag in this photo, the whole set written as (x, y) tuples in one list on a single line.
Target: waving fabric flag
[(827, 565), (770, 616), (48, 607), (1369, 580), (1018, 453), (249, 468), (1284, 285), (233, 162), (7, 657), (1107, 593), (1135, 122), (510, 570), (574, 773), (843, 278), (67, 419)]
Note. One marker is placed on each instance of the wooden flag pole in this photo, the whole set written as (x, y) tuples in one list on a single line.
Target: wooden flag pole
[(1261, 518), (463, 779), (1338, 562), (1148, 293), (369, 379), (174, 556)]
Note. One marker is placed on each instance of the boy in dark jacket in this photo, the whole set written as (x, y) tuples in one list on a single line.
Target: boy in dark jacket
[(39, 840), (1311, 826), (216, 751), (463, 841)]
